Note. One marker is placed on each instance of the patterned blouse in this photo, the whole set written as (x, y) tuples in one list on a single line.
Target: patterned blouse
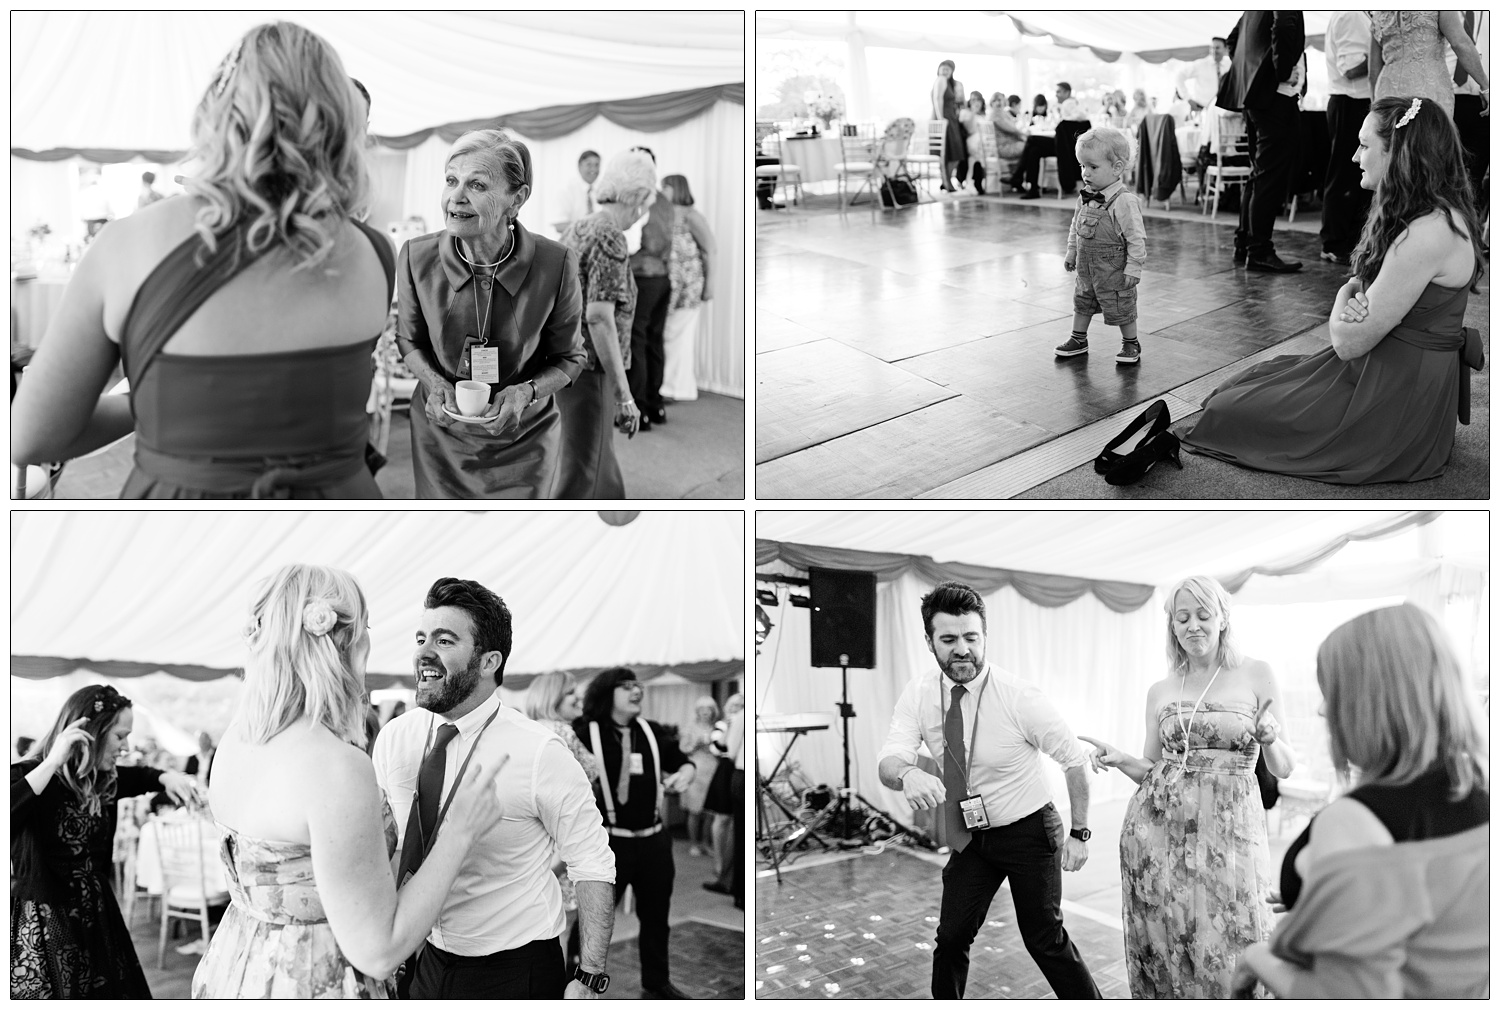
[(604, 272)]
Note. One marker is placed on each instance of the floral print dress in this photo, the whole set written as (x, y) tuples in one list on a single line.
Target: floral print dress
[(275, 941), (1195, 864)]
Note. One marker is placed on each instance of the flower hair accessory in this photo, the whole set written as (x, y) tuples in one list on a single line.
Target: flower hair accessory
[(1411, 113), (318, 617), (232, 61)]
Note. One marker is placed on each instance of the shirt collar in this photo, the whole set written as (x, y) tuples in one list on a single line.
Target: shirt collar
[(1112, 188), (469, 724), (512, 272)]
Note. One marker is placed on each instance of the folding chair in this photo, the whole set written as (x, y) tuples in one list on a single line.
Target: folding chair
[(1232, 143), (859, 161)]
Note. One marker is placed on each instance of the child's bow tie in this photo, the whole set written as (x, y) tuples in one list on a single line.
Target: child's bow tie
[(1092, 196)]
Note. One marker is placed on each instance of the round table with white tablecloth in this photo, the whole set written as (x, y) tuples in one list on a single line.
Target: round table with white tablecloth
[(148, 858), (816, 156)]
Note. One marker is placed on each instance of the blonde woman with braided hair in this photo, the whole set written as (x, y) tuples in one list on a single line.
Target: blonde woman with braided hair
[(244, 312), (315, 911)]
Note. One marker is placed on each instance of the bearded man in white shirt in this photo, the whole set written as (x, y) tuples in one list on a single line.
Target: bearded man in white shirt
[(497, 935), (988, 732)]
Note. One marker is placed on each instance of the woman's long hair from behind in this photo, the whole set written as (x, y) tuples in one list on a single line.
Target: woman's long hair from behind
[(279, 137), (101, 705), (1425, 174), (1396, 702), (293, 671)]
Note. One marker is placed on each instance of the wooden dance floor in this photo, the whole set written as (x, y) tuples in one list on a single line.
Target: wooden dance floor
[(863, 927), (909, 354)]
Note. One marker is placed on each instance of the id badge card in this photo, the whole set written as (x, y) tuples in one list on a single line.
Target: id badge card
[(484, 364), (637, 763), (975, 819)]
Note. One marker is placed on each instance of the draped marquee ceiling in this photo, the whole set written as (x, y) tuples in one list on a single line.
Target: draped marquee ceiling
[(170, 590), (128, 81), (1145, 548)]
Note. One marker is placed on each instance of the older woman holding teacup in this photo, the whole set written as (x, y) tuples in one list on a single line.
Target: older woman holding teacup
[(599, 400), (485, 301)]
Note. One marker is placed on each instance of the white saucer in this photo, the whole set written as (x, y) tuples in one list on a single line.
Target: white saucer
[(466, 417)]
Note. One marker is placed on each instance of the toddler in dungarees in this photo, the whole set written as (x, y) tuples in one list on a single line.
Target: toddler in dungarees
[(1106, 245)]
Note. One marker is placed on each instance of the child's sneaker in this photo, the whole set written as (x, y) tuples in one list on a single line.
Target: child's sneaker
[(1130, 352), (1073, 347)]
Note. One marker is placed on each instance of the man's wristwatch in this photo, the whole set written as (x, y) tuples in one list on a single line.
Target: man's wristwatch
[(1082, 834), (597, 982)]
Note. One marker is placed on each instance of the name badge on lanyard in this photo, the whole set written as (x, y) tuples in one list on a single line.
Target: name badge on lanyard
[(485, 364), (637, 763), (972, 807)]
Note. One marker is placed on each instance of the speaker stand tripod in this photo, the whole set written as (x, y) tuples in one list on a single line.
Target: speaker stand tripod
[(850, 818)]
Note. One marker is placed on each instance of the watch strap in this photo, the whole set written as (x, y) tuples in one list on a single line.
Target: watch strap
[(1082, 834), (598, 981)]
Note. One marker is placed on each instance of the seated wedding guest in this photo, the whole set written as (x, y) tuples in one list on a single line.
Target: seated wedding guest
[(578, 194), (243, 312), (1010, 134), (314, 911), (1381, 403), (1070, 124), (486, 300), (1388, 888), (1187, 917), (599, 400), (638, 762), (692, 272), (67, 938), (971, 117), (1039, 110)]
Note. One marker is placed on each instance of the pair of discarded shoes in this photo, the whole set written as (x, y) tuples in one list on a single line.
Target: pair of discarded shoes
[(1158, 444)]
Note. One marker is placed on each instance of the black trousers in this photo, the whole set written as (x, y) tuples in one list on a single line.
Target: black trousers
[(1032, 154), (1274, 148), (1029, 853), (1474, 134), (737, 796), (535, 971), (1344, 202), (647, 333), (646, 864)]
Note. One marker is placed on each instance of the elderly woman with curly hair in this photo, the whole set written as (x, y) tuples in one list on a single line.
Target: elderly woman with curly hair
[(244, 312), (599, 401), (67, 938), (486, 300), (1195, 864)]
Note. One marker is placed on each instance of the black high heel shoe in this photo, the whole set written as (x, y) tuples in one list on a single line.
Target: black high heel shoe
[(1152, 450), (1157, 415)]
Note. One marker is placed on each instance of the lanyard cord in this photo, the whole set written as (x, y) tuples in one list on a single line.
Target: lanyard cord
[(973, 732), (489, 302), (443, 812), (1187, 732)]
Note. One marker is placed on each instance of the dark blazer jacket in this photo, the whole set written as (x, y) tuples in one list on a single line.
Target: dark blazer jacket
[(1264, 47), (537, 306)]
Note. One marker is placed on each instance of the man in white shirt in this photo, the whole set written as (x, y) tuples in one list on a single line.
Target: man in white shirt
[(1346, 45), (1470, 100), (497, 935), (578, 194), (988, 732), (1198, 82)]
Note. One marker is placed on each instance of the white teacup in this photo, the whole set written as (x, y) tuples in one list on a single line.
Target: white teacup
[(472, 396)]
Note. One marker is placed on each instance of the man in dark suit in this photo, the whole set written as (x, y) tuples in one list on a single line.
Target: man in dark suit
[(1266, 75)]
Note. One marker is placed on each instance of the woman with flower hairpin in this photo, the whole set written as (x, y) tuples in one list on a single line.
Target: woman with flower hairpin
[(1381, 403), (314, 907), (67, 938), (244, 312), (1195, 864)]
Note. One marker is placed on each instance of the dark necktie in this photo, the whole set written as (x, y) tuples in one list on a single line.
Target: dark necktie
[(422, 821), (622, 790), (954, 760), (1460, 75), (1091, 196)]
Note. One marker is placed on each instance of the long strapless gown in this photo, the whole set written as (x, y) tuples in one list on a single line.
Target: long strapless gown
[(1195, 866), (1414, 53), (1387, 416), (275, 941), (290, 424)]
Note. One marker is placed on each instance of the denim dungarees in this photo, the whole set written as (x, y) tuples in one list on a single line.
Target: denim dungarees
[(1101, 265)]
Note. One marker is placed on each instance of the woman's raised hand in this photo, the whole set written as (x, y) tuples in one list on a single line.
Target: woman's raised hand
[(73, 736), (1104, 756), (476, 807), (1266, 726)]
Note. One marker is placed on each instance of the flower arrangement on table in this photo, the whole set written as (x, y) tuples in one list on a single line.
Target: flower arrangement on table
[(827, 108)]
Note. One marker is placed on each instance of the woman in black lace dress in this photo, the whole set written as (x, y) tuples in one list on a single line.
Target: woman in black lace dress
[(67, 938)]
